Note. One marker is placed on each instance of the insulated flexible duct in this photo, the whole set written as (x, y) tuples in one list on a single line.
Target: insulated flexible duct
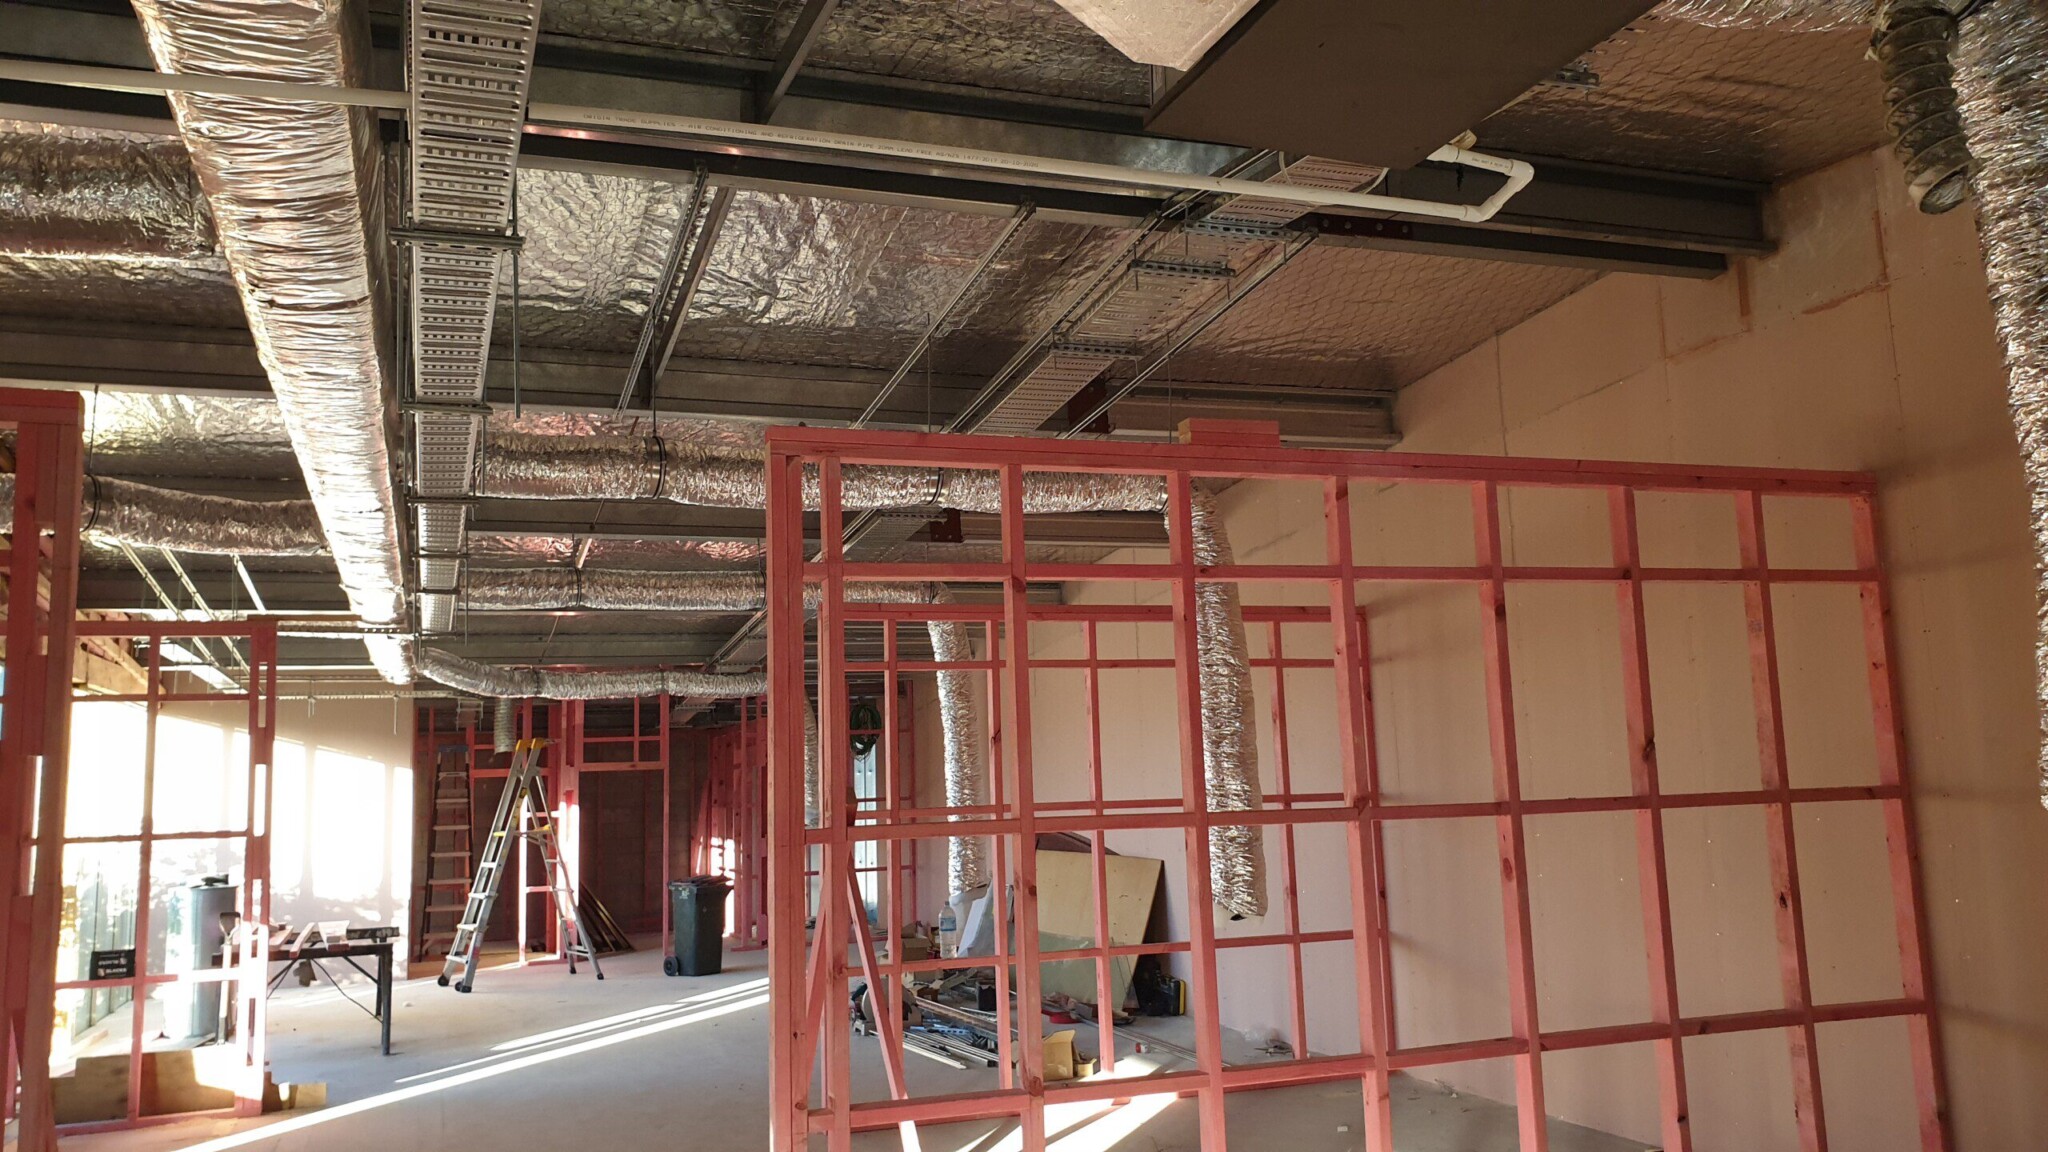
[(531, 467), (504, 724), (288, 182), (2002, 75), (2002, 89), (690, 472), (1782, 15), (1912, 45), (520, 683), (561, 588), (1237, 855), (545, 589), (1912, 41), (122, 511)]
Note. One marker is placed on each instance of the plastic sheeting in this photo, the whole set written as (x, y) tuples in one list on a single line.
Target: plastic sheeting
[(145, 517), (2004, 90), (288, 184)]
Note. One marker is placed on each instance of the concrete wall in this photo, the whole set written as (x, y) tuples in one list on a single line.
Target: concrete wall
[(1864, 343)]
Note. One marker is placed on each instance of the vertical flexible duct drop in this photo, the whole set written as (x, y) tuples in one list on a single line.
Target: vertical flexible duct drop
[(504, 724), (1913, 42), (2002, 75), (1237, 854), (966, 856)]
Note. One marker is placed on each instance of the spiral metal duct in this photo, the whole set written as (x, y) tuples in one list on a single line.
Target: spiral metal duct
[(288, 183), (143, 516)]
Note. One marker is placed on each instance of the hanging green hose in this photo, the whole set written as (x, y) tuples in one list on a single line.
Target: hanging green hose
[(864, 720)]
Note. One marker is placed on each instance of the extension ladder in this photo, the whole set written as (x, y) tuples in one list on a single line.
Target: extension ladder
[(448, 853), (523, 814)]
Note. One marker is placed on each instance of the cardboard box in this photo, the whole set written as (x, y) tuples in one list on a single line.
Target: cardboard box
[(1059, 1056)]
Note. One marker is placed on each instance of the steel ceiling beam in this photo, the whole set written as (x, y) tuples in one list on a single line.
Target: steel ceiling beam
[(796, 48), (52, 353), (1643, 221)]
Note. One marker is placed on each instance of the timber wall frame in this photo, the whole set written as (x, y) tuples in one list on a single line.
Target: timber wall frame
[(244, 976), (41, 557), (804, 1033)]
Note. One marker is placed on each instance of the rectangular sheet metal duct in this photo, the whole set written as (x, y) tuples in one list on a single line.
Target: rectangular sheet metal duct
[(1376, 81)]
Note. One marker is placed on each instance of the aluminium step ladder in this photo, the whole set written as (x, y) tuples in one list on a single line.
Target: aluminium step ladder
[(449, 854), (523, 814)]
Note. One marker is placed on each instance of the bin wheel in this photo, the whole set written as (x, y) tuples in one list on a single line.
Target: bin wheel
[(462, 986), (442, 980), (671, 966)]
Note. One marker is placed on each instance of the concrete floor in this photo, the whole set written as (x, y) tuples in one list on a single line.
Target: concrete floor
[(536, 1058)]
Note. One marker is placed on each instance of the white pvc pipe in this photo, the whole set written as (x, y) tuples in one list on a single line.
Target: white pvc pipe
[(1518, 172)]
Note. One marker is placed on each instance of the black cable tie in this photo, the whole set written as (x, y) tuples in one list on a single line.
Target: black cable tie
[(92, 511)]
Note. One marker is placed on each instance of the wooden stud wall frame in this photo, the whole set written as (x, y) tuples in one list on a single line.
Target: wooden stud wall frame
[(41, 557), (244, 972), (810, 1044), (728, 834)]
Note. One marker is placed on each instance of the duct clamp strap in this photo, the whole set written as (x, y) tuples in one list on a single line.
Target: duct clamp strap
[(92, 505), (659, 451)]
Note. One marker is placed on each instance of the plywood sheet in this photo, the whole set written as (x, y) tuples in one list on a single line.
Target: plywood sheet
[(1066, 918), (1066, 903)]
